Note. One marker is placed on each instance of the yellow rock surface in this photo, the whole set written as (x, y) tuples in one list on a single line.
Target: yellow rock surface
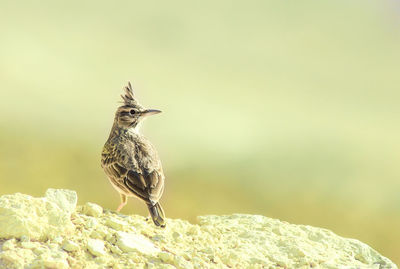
[(37, 218), (51, 232)]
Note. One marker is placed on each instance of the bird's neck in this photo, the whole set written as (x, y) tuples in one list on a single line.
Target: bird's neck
[(117, 130), (134, 130)]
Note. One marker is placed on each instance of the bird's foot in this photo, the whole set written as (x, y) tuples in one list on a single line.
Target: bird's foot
[(124, 201), (120, 207)]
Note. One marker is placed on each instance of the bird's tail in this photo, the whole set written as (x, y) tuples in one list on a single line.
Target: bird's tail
[(157, 214)]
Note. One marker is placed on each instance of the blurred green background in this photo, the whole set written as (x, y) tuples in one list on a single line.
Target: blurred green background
[(289, 109)]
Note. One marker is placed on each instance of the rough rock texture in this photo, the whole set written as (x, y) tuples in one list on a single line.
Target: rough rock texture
[(37, 218), (51, 232)]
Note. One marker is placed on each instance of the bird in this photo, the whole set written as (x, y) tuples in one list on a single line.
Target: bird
[(130, 161)]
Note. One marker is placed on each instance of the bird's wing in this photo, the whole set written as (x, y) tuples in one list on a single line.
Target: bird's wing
[(143, 178), (149, 187), (145, 172)]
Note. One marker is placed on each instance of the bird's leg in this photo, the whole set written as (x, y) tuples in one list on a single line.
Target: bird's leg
[(124, 201)]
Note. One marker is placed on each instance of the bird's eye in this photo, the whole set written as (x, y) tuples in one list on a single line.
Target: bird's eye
[(132, 112)]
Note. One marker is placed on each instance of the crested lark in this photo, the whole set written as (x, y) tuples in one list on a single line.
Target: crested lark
[(130, 161)]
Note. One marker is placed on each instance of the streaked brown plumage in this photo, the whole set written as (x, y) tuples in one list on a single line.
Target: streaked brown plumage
[(130, 161)]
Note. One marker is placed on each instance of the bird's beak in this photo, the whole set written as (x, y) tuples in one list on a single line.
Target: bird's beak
[(149, 112)]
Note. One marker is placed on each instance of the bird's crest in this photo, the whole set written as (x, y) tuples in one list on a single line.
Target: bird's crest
[(128, 97)]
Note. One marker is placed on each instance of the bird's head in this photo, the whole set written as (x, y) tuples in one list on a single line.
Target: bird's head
[(131, 113)]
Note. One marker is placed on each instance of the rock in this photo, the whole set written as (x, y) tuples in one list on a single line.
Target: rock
[(9, 244), (50, 232), (93, 210), (70, 246), (37, 218), (180, 262), (116, 224), (166, 257), (30, 245), (91, 223), (128, 242), (61, 264), (96, 247), (65, 199), (54, 259), (9, 258)]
